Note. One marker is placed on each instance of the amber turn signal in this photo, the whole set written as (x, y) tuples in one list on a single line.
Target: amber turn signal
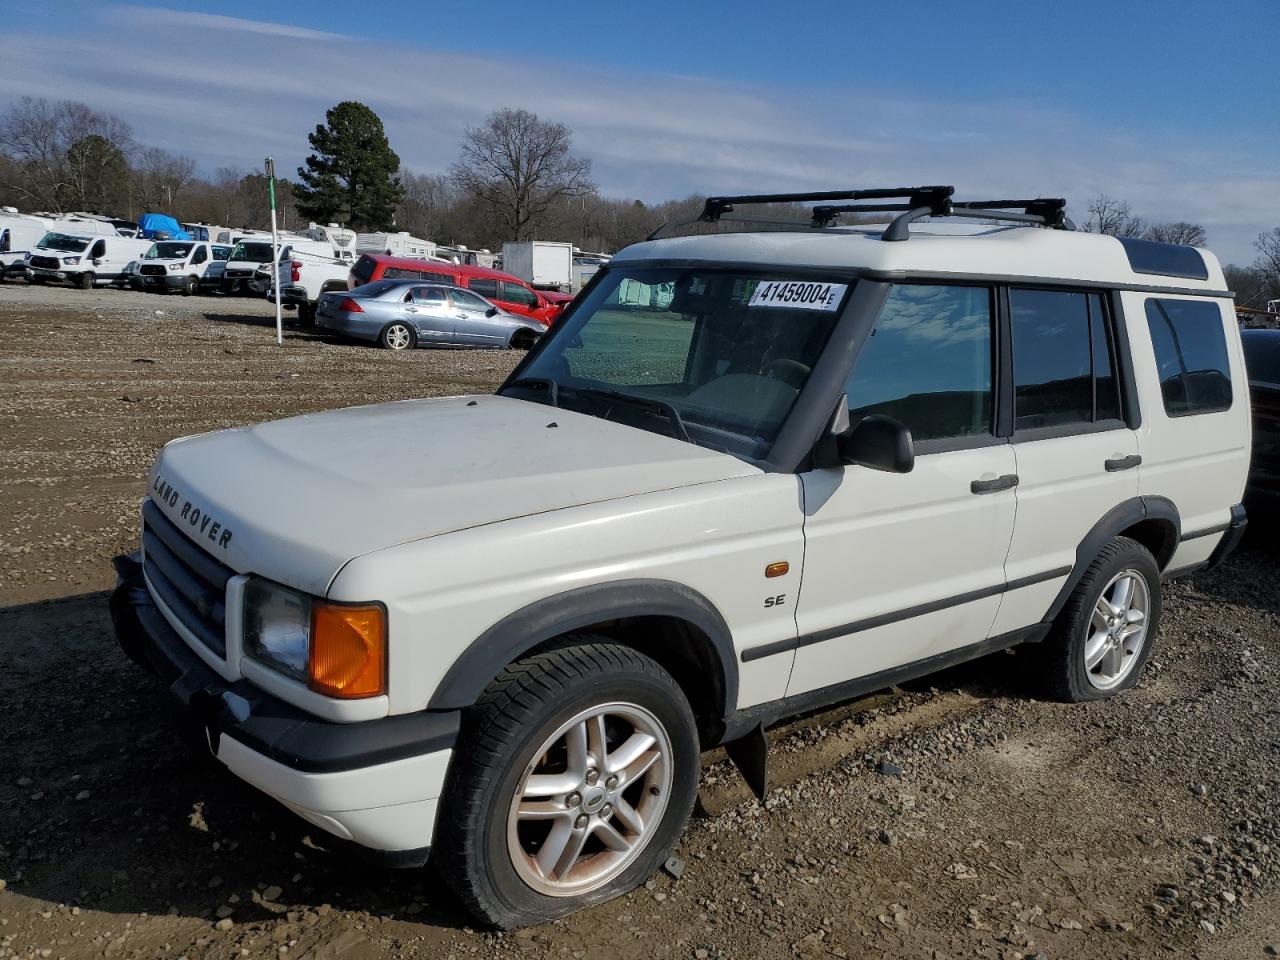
[(348, 656), (777, 569)]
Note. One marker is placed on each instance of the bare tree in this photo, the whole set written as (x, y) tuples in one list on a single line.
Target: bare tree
[(428, 201), (1113, 217), (64, 153), (160, 177), (520, 167), (1190, 234), (1268, 245)]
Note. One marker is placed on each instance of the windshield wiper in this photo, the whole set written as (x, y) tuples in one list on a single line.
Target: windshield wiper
[(645, 403), (553, 388)]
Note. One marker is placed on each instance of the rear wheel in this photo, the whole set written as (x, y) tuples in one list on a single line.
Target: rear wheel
[(573, 780), (397, 336), (307, 314), (85, 281), (1102, 639)]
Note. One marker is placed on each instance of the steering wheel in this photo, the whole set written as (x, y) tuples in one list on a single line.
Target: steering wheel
[(791, 372)]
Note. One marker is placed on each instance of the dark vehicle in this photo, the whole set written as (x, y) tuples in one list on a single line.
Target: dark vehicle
[(1262, 360)]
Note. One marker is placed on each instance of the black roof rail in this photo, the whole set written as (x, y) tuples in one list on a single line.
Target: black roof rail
[(917, 203)]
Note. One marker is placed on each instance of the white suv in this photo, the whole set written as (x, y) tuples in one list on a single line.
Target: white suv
[(503, 627)]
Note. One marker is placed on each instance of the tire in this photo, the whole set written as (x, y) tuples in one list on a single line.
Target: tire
[(1078, 637), (38, 281), (191, 287), (307, 314), (398, 335), (85, 281), (487, 853)]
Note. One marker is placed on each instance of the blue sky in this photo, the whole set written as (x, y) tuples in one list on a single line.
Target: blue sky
[(1173, 106)]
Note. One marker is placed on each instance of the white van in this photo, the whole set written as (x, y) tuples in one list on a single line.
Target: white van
[(247, 255), (500, 629), (185, 265), (20, 233), (84, 261)]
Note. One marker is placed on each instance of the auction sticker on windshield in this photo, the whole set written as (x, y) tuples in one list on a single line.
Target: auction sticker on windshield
[(798, 294)]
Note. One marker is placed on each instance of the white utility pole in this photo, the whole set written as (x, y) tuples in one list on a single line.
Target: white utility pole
[(275, 248)]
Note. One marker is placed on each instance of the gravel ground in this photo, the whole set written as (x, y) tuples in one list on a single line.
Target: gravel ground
[(956, 818)]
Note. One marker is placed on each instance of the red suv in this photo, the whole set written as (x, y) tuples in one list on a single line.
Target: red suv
[(510, 293)]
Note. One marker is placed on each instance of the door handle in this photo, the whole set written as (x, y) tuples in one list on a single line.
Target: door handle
[(410, 309), (1007, 482), (1123, 463), (462, 316)]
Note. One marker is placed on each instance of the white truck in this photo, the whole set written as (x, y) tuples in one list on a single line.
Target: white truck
[(500, 629), (305, 270), (185, 266), (85, 261), (20, 233), (541, 263), (396, 245)]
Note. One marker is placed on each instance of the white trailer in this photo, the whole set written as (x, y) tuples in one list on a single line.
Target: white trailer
[(20, 233), (540, 263), (396, 244)]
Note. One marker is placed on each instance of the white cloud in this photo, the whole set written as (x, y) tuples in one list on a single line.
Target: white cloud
[(246, 89)]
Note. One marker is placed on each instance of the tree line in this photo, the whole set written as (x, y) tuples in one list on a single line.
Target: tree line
[(516, 177)]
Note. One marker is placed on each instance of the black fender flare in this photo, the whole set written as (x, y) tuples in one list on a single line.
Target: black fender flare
[(517, 633), (1118, 518)]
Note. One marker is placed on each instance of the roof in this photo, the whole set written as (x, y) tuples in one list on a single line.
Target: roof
[(458, 269), (941, 249)]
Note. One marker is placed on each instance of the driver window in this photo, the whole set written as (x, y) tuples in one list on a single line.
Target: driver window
[(928, 362), (98, 251), (200, 256)]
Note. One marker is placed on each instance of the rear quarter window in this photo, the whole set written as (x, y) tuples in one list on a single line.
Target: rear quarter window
[(1191, 355)]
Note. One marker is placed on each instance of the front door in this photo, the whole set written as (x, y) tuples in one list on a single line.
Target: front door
[(902, 567), (473, 326)]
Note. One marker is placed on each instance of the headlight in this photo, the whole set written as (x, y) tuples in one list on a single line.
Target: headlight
[(71, 261), (175, 266), (338, 649)]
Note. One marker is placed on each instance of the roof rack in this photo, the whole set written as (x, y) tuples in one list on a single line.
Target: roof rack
[(918, 203)]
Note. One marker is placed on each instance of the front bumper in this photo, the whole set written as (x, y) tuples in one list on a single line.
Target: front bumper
[(49, 274), (174, 281), (376, 783)]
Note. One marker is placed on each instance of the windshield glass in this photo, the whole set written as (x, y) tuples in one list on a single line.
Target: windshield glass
[(717, 357), (60, 241), (252, 252), (169, 250)]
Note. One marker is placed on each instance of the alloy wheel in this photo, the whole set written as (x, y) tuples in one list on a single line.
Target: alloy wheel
[(1117, 630), (590, 800)]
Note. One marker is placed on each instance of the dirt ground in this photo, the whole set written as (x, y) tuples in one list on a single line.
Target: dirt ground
[(956, 818)]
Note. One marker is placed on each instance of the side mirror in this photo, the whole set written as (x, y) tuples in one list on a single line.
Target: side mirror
[(491, 312), (878, 442)]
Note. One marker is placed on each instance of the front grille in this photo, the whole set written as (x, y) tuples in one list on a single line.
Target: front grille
[(192, 584), (47, 263), (152, 269), (239, 274)]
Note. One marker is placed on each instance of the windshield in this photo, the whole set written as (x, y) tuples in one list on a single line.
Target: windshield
[(252, 252), (717, 357), (168, 250), (60, 241)]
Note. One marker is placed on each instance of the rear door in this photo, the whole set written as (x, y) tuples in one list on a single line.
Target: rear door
[(900, 568), (428, 309), (1076, 457)]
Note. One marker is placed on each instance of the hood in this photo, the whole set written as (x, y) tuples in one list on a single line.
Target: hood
[(296, 499)]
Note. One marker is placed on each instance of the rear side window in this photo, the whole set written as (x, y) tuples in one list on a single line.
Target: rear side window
[(484, 286), (362, 271), (515, 293), (221, 253), (1262, 355), (1191, 355), (927, 363), (1063, 359)]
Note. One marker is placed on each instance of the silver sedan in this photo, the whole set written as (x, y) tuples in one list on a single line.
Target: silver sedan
[(402, 314)]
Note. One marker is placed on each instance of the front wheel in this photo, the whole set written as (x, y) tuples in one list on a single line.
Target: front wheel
[(572, 781), (191, 286), (1102, 639), (85, 281), (397, 336)]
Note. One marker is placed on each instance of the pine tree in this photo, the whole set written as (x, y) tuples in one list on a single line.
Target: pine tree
[(351, 176)]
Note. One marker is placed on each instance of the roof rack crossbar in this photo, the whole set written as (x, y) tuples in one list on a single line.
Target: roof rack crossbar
[(715, 207)]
